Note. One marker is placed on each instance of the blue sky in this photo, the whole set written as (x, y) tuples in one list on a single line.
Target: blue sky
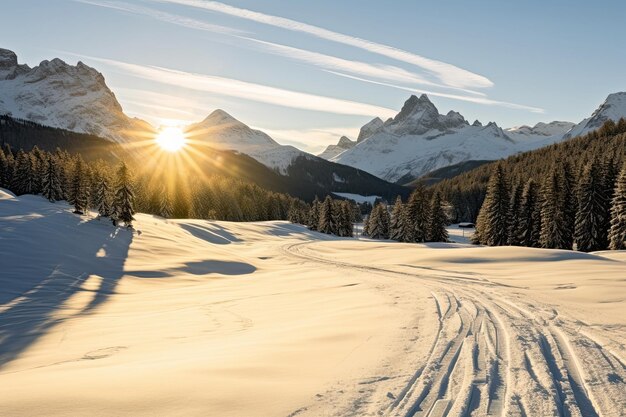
[(333, 65)]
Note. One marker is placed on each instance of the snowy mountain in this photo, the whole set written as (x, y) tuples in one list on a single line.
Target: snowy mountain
[(613, 108), (222, 131), (333, 150), (419, 140), (540, 130), (70, 97)]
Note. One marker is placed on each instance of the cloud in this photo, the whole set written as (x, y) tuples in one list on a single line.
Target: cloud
[(448, 74), (479, 100), (246, 90), (384, 72), (164, 16)]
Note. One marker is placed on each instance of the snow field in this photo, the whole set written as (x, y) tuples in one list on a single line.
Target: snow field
[(269, 319)]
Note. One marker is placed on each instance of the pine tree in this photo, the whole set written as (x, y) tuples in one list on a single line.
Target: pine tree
[(617, 234), (51, 183), (314, 214), (515, 207), (23, 178), (437, 221), (396, 224), (492, 224), (568, 188), (123, 203), (417, 215), (80, 197), (345, 219), (552, 213), (590, 233), (102, 198), (378, 227), (529, 227), (325, 224)]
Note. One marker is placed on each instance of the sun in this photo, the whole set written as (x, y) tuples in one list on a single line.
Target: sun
[(171, 138)]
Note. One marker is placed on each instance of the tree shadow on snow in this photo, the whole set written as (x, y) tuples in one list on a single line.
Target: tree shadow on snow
[(49, 258)]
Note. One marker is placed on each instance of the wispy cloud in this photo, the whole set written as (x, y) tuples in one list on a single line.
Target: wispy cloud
[(246, 90), (384, 72), (164, 16), (448, 74), (479, 100)]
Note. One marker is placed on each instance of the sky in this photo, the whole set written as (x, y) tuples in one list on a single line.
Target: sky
[(307, 72)]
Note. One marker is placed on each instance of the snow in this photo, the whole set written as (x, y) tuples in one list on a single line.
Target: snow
[(358, 198), (72, 97), (419, 139), (221, 130), (201, 318)]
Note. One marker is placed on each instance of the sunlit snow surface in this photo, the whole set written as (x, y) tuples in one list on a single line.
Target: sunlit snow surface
[(199, 318)]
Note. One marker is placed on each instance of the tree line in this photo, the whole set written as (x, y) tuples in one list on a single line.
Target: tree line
[(586, 213), (466, 191), (422, 218), (117, 192)]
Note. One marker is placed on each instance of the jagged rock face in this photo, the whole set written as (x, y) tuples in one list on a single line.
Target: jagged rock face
[(613, 108), (419, 116), (368, 129), (57, 94), (333, 150)]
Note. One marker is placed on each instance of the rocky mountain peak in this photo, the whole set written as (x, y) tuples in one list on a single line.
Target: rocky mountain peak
[(368, 129), (345, 142)]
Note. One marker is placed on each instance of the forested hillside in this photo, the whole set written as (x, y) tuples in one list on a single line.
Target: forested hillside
[(607, 145)]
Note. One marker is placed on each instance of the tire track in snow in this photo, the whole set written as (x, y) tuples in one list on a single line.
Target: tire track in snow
[(522, 344)]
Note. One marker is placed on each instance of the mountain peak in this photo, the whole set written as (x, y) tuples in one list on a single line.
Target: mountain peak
[(369, 129), (345, 141), (219, 117), (414, 105)]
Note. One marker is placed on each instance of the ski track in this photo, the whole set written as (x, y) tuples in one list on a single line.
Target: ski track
[(496, 355)]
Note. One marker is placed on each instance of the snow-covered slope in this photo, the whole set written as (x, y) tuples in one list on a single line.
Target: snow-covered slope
[(61, 95), (221, 130), (419, 139), (541, 130), (613, 108), (202, 318), (333, 150)]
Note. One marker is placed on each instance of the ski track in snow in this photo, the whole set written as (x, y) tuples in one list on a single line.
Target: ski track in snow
[(497, 356)]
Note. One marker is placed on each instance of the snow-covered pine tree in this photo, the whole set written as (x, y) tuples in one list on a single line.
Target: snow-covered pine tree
[(492, 224), (617, 234), (515, 207), (102, 198), (396, 223), (38, 167), (417, 214), (529, 227), (610, 173), (122, 209), (292, 214), (314, 214), (590, 233), (80, 196), (165, 203), (51, 183), (325, 224), (437, 221), (552, 211)]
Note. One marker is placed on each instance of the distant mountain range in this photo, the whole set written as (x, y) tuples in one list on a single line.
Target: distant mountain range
[(419, 140)]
